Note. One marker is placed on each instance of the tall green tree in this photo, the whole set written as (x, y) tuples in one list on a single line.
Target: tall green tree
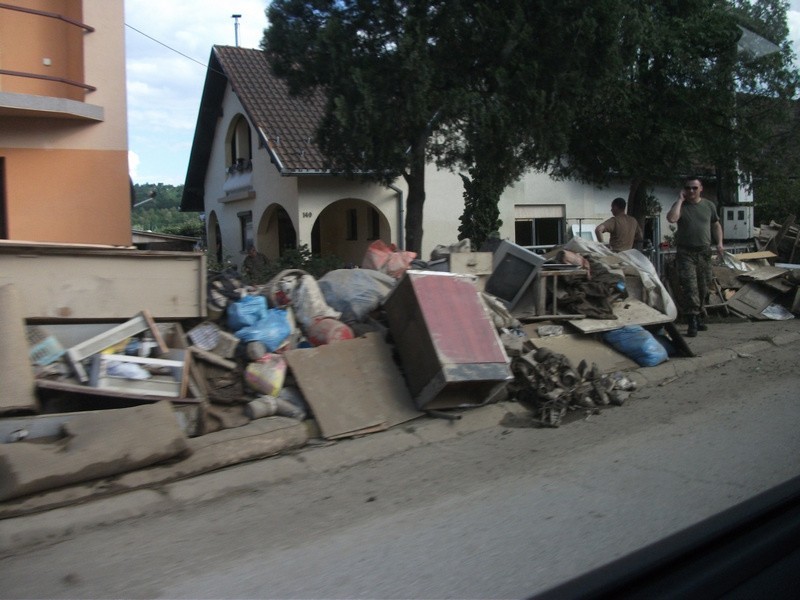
[(767, 109), (486, 87), (380, 65), (685, 99), (524, 68)]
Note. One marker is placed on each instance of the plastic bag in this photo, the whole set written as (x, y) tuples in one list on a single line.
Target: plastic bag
[(387, 259), (355, 292), (246, 312), (267, 374), (638, 344), (309, 303), (442, 251), (272, 330)]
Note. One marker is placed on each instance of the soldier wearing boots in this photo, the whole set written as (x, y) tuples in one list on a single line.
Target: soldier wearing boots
[(698, 223)]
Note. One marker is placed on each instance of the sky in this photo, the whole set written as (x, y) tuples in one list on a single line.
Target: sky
[(166, 72), (167, 45)]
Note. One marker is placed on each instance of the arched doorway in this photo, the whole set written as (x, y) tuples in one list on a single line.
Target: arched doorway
[(214, 237), (275, 232), (346, 228)]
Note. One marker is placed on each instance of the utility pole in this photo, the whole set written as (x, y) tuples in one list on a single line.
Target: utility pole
[(236, 28)]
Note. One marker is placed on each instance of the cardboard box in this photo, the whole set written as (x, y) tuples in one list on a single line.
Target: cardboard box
[(449, 350)]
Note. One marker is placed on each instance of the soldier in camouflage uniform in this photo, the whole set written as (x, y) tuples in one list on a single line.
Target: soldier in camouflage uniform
[(697, 220)]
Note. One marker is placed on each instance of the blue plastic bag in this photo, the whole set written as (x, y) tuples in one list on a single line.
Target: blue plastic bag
[(638, 344), (246, 312), (271, 330)]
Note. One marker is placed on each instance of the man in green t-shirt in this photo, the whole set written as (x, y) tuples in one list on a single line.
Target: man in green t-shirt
[(698, 223)]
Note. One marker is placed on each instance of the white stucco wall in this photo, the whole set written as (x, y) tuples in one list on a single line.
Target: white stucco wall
[(444, 203), (306, 197)]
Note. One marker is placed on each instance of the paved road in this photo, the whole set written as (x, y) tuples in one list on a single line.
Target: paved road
[(501, 513)]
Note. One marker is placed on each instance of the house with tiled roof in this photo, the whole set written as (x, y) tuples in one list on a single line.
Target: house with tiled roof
[(258, 176)]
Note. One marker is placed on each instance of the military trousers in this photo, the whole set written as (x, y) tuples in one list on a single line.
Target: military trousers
[(695, 276)]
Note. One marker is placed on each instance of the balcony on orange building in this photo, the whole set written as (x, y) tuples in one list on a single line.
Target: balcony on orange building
[(42, 61)]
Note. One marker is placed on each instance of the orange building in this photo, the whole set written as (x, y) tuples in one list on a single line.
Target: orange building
[(63, 127)]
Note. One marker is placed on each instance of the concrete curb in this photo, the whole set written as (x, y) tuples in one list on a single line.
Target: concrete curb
[(26, 531)]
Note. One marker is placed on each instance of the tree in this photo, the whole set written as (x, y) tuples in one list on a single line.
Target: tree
[(525, 69), (683, 101), (768, 110), (486, 86), (379, 65), (156, 207)]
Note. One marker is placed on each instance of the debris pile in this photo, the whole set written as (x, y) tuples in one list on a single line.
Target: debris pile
[(356, 351), (762, 284), (547, 384)]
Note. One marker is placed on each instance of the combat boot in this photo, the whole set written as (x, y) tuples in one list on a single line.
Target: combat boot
[(701, 323), (691, 329)]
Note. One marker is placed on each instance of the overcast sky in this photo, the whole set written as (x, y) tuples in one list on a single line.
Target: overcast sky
[(166, 72)]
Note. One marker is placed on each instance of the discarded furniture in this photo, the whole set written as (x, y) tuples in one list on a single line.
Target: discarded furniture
[(478, 264), (80, 352), (70, 281), (449, 349), (546, 289), (170, 379)]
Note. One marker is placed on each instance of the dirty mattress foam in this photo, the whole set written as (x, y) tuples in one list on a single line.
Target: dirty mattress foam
[(95, 445)]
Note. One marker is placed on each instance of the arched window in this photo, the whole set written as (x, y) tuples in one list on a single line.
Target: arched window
[(239, 148)]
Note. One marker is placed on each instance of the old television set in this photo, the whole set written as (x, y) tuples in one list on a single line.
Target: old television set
[(513, 270)]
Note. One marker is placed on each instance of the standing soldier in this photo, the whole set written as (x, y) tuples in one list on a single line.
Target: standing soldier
[(697, 219)]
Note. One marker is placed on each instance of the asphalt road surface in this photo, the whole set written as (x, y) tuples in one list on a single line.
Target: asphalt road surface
[(502, 513)]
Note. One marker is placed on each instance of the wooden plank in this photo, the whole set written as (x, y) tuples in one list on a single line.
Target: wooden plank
[(796, 303), (212, 358), (752, 299), (72, 386), (16, 372), (762, 273), (766, 255), (775, 242), (628, 312), (63, 282), (363, 392)]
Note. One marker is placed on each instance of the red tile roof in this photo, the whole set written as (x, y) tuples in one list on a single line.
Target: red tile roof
[(286, 124)]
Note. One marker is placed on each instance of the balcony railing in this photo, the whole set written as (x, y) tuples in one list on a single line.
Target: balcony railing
[(51, 15)]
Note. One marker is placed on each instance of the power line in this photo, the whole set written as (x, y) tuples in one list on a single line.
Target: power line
[(150, 37)]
